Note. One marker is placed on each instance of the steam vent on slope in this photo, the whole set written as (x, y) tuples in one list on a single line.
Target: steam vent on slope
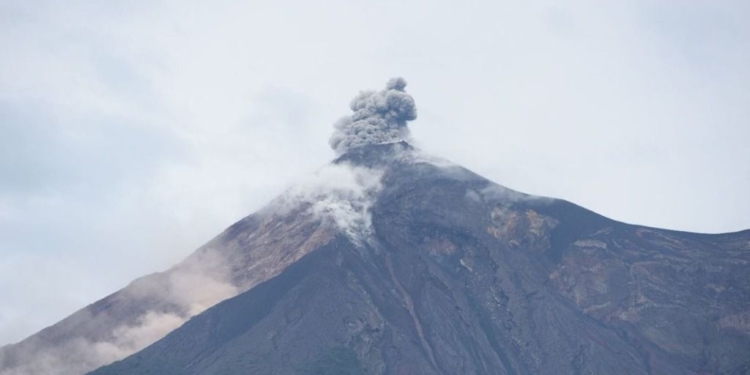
[(390, 261)]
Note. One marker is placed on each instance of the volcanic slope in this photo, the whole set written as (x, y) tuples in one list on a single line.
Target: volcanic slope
[(388, 261), (254, 250), (453, 274), (336, 198)]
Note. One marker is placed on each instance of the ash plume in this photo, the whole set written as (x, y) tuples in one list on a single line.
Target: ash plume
[(379, 117)]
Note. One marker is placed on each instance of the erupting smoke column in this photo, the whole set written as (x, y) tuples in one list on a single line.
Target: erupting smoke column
[(379, 117)]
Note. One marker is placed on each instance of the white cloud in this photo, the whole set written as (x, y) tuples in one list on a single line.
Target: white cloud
[(342, 193)]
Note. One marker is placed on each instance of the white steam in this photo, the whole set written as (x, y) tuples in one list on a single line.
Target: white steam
[(341, 194), (379, 117)]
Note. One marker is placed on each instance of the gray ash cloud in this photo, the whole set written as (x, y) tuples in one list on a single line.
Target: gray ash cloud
[(379, 117)]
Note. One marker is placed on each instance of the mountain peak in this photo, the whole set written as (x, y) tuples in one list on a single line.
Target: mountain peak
[(379, 117), (375, 155), (392, 261)]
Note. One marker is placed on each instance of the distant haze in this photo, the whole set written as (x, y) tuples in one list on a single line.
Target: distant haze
[(130, 134)]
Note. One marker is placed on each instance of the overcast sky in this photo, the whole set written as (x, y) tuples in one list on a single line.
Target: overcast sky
[(133, 132)]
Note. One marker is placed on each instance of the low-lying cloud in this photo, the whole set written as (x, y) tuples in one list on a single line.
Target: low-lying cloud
[(172, 298), (79, 355), (199, 282)]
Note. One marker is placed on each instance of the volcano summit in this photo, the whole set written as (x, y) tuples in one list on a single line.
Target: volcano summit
[(389, 261)]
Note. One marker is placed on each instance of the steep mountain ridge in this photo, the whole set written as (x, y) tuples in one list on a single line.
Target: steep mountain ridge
[(460, 275)]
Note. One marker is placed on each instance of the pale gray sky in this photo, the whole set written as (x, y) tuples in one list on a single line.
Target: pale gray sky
[(132, 132)]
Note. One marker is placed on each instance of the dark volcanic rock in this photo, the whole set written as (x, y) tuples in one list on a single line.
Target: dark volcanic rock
[(462, 276)]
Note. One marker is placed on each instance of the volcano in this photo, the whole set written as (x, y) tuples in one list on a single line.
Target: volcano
[(390, 261)]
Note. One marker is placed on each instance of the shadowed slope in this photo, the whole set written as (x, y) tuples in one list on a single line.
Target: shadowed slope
[(462, 276)]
